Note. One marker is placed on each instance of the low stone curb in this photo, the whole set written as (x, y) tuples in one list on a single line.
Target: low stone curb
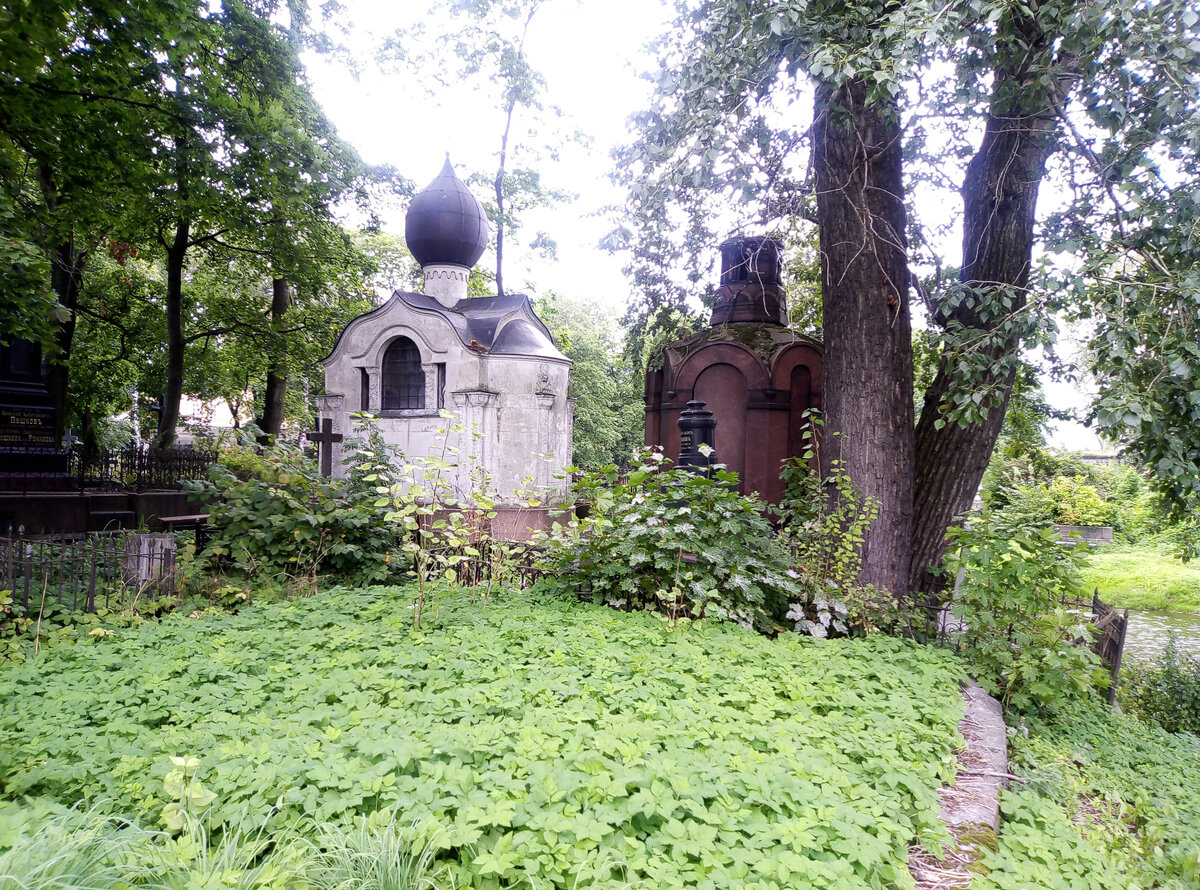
[(971, 806)]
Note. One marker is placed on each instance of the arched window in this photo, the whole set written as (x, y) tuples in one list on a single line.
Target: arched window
[(403, 381)]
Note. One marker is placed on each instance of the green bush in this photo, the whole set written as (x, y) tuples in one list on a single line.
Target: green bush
[(276, 515), (824, 521), (1017, 636), (1167, 692), (1078, 503), (676, 542)]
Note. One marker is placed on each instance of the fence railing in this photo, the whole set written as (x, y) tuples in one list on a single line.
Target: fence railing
[(136, 468), (141, 467), (112, 571)]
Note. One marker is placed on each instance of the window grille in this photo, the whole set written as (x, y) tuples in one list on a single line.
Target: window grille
[(403, 381)]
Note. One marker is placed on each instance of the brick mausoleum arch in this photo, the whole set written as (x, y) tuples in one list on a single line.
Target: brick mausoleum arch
[(750, 365), (786, 361)]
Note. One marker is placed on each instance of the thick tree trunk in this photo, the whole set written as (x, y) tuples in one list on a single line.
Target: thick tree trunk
[(864, 281), (168, 419), (272, 417), (66, 277), (999, 201)]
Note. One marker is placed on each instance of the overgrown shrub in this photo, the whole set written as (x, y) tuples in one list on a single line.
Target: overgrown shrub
[(1017, 635), (1167, 692), (823, 522), (276, 515), (676, 542)]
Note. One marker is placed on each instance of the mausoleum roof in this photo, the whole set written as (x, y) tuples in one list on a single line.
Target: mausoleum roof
[(497, 325)]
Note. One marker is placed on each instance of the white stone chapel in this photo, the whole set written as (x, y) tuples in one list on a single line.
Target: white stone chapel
[(490, 361)]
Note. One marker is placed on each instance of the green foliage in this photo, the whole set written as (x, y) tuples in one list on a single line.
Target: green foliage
[(1077, 503), (824, 522), (1167, 691), (609, 414), (47, 846), (1111, 802), (1018, 637), (677, 542), (372, 857), (287, 519), (548, 742), (1040, 847)]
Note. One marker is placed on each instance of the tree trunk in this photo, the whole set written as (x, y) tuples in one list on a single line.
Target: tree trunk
[(864, 282), (272, 417), (66, 277), (999, 201), (168, 419)]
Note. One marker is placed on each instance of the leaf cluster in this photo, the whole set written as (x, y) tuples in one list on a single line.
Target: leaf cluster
[(288, 519), (1111, 801), (666, 539), (1166, 691), (541, 742), (1014, 627)]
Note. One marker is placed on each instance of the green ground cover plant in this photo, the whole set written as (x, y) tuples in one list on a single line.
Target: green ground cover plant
[(1110, 802), (1143, 578), (533, 742)]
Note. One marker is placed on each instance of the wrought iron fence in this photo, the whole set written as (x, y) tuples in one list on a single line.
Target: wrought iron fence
[(104, 570), (135, 468), (141, 467)]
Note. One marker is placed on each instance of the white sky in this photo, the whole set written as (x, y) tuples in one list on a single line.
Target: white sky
[(584, 50), (590, 52)]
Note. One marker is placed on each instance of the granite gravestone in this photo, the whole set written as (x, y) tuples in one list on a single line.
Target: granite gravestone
[(27, 416)]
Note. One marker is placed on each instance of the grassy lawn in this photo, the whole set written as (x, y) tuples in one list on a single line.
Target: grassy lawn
[(1143, 579), (531, 742)]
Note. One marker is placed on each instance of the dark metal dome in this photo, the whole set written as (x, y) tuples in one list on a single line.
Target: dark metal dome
[(446, 224)]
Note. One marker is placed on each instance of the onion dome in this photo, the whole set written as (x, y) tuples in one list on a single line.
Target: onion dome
[(446, 224)]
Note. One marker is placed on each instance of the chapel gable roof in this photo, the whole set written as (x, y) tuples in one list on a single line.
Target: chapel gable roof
[(499, 325)]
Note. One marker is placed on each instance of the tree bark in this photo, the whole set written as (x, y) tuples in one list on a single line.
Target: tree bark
[(168, 418), (864, 280), (66, 278), (272, 417), (999, 201)]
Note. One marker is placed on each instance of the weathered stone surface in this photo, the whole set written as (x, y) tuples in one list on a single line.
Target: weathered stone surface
[(974, 799)]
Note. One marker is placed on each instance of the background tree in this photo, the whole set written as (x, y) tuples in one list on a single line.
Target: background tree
[(1106, 90), (483, 42), (609, 409)]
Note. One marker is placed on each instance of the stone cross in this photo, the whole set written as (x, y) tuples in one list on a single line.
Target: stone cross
[(325, 438)]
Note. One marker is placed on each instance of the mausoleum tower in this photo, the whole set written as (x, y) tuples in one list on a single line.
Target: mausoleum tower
[(756, 374), (446, 230), (484, 369)]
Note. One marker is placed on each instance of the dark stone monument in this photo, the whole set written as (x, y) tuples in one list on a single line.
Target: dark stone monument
[(28, 444), (324, 439), (697, 427), (755, 374)]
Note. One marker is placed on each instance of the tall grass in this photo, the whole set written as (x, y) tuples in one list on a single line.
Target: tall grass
[(387, 857), (93, 850)]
